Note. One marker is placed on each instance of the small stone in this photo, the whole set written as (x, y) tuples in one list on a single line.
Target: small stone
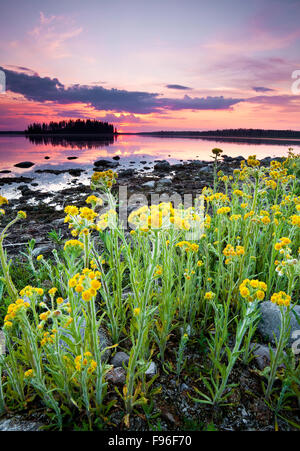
[(106, 164), (150, 184), (116, 158), (152, 370), (75, 172), (116, 376), (119, 359), (126, 173), (24, 164), (165, 181), (184, 387)]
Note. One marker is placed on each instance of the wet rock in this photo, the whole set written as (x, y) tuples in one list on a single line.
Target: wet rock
[(19, 423), (24, 164), (116, 376), (120, 359), (5, 171), (75, 172), (126, 173), (10, 180), (162, 166), (72, 158), (47, 158), (151, 370), (116, 158), (149, 185), (206, 169), (270, 321), (106, 164), (165, 182)]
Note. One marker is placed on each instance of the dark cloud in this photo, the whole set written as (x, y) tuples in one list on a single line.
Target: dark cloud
[(179, 87), (262, 89), (38, 89)]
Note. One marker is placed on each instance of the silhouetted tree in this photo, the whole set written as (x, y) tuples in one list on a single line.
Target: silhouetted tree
[(71, 126)]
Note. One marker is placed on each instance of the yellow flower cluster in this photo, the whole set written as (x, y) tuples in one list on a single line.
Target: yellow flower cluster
[(29, 374), (12, 311), (209, 295), (188, 246), (80, 220), (73, 245), (164, 215), (295, 220), (104, 179), (108, 219), (231, 252), (48, 338), (86, 283), (252, 290), (85, 361), (281, 298), (218, 197), (22, 214), (3, 200), (94, 201), (223, 210), (31, 291), (252, 161), (283, 242)]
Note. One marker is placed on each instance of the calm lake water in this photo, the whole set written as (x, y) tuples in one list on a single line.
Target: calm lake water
[(132, 149)]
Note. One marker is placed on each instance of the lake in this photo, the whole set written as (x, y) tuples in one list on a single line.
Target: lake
[(133, 150)]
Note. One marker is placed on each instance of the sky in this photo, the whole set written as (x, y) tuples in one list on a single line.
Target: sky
[(159, 65)]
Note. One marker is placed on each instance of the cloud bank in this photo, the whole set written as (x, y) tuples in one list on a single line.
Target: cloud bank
[(46, 89)]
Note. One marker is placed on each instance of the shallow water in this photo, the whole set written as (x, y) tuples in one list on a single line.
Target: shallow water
[(133, 150)]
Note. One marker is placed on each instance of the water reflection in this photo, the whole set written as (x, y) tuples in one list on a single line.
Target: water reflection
[(73, 142)]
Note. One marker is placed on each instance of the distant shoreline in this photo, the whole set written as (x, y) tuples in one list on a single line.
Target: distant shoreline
[(185, 135)]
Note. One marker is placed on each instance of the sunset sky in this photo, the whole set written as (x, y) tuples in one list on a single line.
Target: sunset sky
[(159, 65)]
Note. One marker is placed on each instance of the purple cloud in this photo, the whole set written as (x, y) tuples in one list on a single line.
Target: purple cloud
[(38, 89), (262, 89), (179, 87)]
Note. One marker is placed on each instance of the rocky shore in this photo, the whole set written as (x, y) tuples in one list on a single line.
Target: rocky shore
[(45, 209)]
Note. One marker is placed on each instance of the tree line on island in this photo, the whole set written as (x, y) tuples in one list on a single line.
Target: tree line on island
[(79, 126)]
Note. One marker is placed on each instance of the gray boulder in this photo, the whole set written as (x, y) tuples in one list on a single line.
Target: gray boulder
[(162, 166), (119, 359), (106, 164), (270, 321), (261, 355)]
